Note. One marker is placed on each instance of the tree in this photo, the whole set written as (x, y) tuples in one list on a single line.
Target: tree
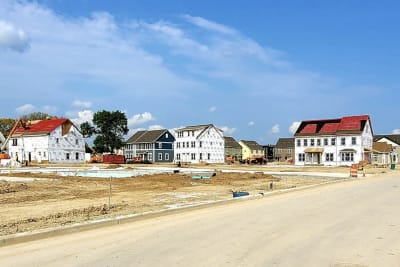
[(87, 129), (110, 127), (37, 116), (6, 125)]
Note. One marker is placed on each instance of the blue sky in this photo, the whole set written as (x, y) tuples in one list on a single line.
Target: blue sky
[(253, 68)]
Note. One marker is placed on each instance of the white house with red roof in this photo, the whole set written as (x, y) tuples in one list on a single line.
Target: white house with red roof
[(47, 141), (334, 142)]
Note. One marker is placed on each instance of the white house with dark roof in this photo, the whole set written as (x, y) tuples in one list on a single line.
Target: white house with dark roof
[(47, 141), (334, 142), (391, 139), (200, 143)]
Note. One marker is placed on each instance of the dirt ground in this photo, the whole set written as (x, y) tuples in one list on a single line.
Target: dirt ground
[(59, 200)]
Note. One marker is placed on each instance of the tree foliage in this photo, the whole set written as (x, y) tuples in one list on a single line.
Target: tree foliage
[(6, 125), (36, 116), (87, 129), (110, 127)]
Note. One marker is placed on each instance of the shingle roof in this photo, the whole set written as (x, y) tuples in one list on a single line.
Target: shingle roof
[(392, 137), (382, 147), (40, 127), (146, 136), (253, 145), (285, 143), (349, 124), (231, 142)]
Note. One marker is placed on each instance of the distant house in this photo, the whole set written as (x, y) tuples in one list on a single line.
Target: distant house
[(381, 154), (251, 149), (394, 140), (284, 149), (47, 141), (232, 148), (334, 142), (153, 146), (199, 143)]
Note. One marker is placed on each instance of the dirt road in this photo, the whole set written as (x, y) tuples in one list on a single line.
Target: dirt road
[(355, 223)]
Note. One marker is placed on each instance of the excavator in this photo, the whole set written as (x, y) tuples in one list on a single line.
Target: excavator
[(18, 123)]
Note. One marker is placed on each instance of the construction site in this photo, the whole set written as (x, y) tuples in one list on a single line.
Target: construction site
[(34, 198)]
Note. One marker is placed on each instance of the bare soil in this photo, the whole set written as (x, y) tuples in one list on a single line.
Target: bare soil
[(60, 200)]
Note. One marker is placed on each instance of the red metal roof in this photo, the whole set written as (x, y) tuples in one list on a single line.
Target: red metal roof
[(44, 126), (331, 126), (309, 128)]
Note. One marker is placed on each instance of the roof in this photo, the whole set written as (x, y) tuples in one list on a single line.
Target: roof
[(285, 143), (146, 136), (253, 145), (395, 138), (195, 127), (231, 142), (381, 147), (41, 127), (348, 124)]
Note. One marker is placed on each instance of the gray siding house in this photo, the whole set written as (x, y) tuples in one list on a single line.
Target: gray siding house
[(154, 146)]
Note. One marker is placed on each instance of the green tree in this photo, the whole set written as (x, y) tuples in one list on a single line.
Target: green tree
[(36, 116), (87, 129), (110, 127), (6, 125)]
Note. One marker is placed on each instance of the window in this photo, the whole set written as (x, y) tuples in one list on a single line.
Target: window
[(40, 153), (193, 144), (15, 142), (348, 156), (301, 157), (166, 156), (305, 142), (187, 144), (44, 153), (67, 156), (178, 145), (57, 140), (312, 142), (178, 156), (329, 157), (208, 156), (160, 145), (200, 144), (343, 141), (353, 141), (183, 144), (76, 142), (193, 156), (166, 135), (159, 156), (150, 156), (298, 142), (325, 141), (318, 142), (77, 156), (333, 141), (201, 156)]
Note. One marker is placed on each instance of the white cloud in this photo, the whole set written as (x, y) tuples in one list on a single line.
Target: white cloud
[(212, 109), (251, 123), (82, 104), (25, 109), (81, 116), (227, 130), (155, 127), (209, 25), (396, 131), (13, 38), (275, 129), (293, 128), (140, 119)]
